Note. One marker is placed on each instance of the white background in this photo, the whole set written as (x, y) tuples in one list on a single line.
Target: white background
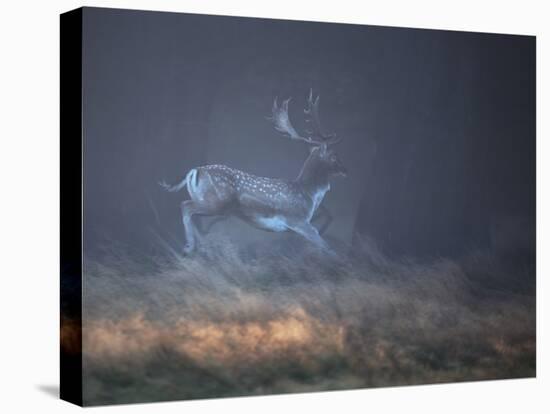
[(29, 207)]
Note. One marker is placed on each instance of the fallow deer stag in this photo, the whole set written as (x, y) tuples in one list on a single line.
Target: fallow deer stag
[(271, 204)]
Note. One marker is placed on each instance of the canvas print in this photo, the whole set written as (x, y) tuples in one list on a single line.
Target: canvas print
[(258, 206)]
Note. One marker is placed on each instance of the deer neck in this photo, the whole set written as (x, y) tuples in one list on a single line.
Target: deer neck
[(314, 177)]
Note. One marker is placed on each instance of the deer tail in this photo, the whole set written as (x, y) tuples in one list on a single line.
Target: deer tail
[(177, 187)]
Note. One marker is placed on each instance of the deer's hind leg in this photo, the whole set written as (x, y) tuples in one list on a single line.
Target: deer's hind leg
[(188, 209), (210, 196)]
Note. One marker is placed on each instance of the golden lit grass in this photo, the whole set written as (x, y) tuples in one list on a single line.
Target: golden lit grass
[(70, 336), (222, 343), (219, 325)]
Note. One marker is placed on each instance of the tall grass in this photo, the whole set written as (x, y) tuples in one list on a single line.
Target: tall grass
[(277, 319)]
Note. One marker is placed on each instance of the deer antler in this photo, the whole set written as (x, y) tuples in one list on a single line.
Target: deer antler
[(312, 120), (282, 123)]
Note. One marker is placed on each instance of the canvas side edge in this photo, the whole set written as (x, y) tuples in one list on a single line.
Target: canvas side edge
[(71, 207)]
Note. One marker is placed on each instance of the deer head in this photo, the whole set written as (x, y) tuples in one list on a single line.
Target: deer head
[(322, 158)]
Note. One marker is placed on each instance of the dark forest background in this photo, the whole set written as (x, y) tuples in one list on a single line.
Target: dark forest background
[(434, 227), (438, 127)]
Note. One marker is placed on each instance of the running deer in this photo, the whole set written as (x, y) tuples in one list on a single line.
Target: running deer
[(270, 204)]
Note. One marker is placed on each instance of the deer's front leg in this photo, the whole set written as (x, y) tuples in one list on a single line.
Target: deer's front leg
[(310, 233), (323, 213)]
